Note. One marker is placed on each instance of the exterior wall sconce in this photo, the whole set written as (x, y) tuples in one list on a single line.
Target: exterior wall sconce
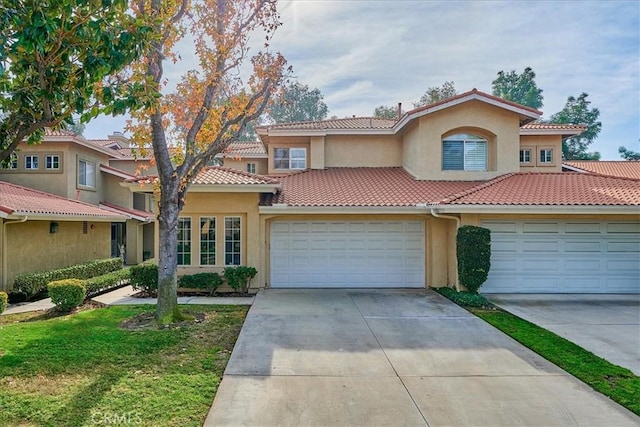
[(53, 227)]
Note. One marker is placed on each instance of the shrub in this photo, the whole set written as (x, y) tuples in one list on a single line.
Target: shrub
[(473, 247), (466, 299), (206, 281), (107, 281), (239, 277), (32, 283), (67, 294), (144, 277), (4, 298)]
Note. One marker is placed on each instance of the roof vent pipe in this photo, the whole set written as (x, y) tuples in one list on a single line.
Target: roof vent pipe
[(399, 110)]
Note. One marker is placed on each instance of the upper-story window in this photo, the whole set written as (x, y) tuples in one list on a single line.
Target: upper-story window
[(12, 162), (290, 158), (86, 174), (546, 156), (52, 162), (525, 156), (31, 162), (251, 167), (464, 152)]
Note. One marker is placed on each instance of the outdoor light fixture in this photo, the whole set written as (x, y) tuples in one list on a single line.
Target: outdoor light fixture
[(53, 227)]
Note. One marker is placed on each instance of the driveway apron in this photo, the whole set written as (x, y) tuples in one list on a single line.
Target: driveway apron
[(391, 358)]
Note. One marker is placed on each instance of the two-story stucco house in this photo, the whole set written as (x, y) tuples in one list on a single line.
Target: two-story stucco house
[(61, 203), (367, 202)]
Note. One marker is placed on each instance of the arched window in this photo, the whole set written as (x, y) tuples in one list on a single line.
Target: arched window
[(464, 152)]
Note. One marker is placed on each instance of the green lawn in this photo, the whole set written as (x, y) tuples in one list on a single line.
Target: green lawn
[(84, 369), (620, 384)]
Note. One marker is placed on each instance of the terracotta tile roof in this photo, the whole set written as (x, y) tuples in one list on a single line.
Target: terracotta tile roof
[(241, 148), (379, 187), (553, 126), (62, 132), (346, 123), (131, 213), (552, 189), (219, 175), (618, 168), (23, 200)]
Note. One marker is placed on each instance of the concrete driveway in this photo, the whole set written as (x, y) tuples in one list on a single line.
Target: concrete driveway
[(606, 325), (391, 358)]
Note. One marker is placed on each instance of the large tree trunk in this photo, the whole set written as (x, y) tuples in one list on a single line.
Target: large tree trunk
[(167, 310)]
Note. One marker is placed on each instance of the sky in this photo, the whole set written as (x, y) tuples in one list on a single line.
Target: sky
[(366, 53)]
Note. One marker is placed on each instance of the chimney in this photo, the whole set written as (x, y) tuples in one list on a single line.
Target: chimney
[(399, 110)]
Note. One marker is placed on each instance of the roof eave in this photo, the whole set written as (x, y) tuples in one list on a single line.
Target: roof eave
[(539, 209), (564, 133), (235, 188), (348, 210), (64, 217)]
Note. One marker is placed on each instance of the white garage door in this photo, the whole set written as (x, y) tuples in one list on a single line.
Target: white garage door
[(564, 257), (347, 254)]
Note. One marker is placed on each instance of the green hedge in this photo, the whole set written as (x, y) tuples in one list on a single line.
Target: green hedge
[(67, 294), (473, 248), (204, 281), (144, 277), (4, 298), (239, 277), (34, 283), (107, 281)]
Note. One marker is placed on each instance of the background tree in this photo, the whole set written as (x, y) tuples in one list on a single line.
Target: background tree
[(386, 112), (53, 59), (76, 126), (188, 126), (436, 93), (577, 111), (628, 154), (519, 88), (297, 103)]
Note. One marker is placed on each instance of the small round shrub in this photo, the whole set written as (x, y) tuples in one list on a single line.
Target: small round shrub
[(67, 294), (204, 281), (4, 298), (144, 277), (239, 277)]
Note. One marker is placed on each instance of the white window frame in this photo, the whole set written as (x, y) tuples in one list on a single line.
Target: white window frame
[(214, 241), (86, 184), (189, 240), (30, 160), (523, 156), (469, 143), (52, 157), (296, 158), (251, 167), (239, 241), (546, 156)]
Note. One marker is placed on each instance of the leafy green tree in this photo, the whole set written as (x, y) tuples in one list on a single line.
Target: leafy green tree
[(519, 88), (628, 154), (576, 111), (386, 112), (54, 58), (76, 127), (437, 93), (297, 103)]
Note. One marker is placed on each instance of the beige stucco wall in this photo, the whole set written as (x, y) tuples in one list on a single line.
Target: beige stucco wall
[(135, 167), (219, 205), (363, 151), (241, 164), (30, 247), (422, 150), (535, 143), (114, 193)]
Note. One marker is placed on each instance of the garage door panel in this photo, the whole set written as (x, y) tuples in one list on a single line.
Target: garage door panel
[(347, 254), (590, 257)]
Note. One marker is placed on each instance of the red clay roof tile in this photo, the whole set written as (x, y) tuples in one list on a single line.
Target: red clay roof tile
[(618, 168)]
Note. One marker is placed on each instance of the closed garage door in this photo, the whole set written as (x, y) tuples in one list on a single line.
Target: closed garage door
[(564, 257), (347, 254)]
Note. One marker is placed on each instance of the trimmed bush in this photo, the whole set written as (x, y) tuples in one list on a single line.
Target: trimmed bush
[(4, 298), (473, 248), (204, 281), (239, 277), (67, 294), (107, 281), (144, 277), (32, 283)]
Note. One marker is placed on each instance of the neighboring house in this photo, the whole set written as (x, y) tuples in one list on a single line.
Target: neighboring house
[(245, 156), (89, 171), (367, 202), (40, 231)]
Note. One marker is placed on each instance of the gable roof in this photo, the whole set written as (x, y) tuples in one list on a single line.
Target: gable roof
[(336, 124), (19, 201), (617, 168)]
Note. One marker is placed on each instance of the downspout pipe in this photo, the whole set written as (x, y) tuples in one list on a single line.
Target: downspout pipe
[(3, 273), (457, 220)]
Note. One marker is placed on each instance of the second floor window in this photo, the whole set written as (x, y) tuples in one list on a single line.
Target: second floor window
[(52, 162), (251, 167), (546, 156), (12, 163), (464, 152), (86, 174), (525, 156), (290, 158), (31, 162)]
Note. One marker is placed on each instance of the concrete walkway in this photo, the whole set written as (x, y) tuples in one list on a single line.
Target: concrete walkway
[(606, 325), (123, 296), (392, 358)]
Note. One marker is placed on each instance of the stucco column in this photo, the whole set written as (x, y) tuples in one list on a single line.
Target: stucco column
[(317, 152)]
